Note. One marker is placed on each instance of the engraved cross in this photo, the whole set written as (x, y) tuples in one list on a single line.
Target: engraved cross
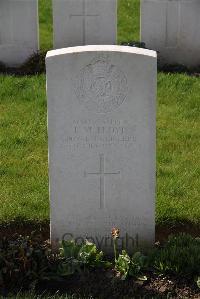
[(84, 15), (102, 174)]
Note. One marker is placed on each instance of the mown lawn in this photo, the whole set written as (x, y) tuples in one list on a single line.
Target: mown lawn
[(23, 137), (32, 295)]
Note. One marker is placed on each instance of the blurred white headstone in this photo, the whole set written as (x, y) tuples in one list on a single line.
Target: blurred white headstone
[(84, 22), (172, 27), (18, 30)]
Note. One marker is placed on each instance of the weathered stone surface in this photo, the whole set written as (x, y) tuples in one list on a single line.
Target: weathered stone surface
[(172, 27), (18, 30), (101, 127), (84, 22)]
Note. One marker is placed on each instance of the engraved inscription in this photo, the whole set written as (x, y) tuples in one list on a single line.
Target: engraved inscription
[(84, 15), (99, 134), (101, 173), (101, 86)]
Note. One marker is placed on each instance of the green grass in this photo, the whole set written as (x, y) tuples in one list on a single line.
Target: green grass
[(178, 149), (23, 147), (128, 20), (32, 295), (23, 138), (46, 27)]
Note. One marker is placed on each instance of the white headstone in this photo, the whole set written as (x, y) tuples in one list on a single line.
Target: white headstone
[(84, 22), (18, 30), (101, 127), (172, 27)]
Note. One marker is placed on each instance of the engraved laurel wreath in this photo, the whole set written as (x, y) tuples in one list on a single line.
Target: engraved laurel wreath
[(101, 86)]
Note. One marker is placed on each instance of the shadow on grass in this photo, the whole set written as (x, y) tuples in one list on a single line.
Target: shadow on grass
[(33, 66), (36, 65)]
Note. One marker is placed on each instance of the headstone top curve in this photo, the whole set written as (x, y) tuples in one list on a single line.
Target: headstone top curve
[(106, 48)]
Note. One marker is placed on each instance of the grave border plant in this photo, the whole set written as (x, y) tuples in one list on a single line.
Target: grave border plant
[(27, 261)]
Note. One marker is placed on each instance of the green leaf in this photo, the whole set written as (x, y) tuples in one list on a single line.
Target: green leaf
[(86, 251), (122, 264), (90, 255), (70, 249), (198, 282), (142, 278)]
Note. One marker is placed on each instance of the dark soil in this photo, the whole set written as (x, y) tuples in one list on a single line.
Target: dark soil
[(102, 284), (162, 232), (25, 229)]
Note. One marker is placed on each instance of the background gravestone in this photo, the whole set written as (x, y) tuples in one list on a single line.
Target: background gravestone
[(101, 127), (172, 27), (84, 22), (18, 30)]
